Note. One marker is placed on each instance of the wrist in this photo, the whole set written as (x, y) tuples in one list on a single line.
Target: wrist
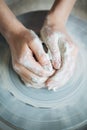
[(60, 10), (54, 20), (11, 30), (10, 27)]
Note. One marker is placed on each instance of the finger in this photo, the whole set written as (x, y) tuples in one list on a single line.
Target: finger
[(32, 84), (28, 61), (37, 48), (60, 78), (64, 74), (28, 77), (55, 54), (27, 83), (52, 43)]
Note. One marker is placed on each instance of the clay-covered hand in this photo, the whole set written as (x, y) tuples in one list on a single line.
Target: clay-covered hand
[(62, 49), (24, 46), (50, 37), (68, 56)]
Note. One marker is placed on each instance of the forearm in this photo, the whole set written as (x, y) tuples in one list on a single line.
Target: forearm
[(8, 22), (61, 10)]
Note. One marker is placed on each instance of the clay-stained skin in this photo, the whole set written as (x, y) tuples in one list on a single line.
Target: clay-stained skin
[(25, 57), (30, 70), (66, 54), (50, 37), (35, 81)]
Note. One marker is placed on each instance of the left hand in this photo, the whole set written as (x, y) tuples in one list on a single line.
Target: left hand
[(63, 49)]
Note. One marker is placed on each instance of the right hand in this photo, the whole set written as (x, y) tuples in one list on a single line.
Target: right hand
[(23, 46)]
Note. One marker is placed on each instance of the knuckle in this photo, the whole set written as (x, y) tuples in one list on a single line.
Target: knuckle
[(20, 60), (43, 58), (15, 66), (39, 72)]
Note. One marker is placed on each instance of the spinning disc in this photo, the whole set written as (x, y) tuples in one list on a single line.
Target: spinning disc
[(40, 109)]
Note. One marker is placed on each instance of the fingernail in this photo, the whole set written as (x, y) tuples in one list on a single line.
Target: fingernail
[(55, 89), (49, 85), (57, 64), (50, 88)]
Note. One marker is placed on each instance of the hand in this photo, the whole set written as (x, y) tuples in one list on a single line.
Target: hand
[(64, 49), (50, 38), (23, 46)]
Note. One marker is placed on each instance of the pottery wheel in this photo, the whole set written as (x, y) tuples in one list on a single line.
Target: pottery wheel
[(39, 109)]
